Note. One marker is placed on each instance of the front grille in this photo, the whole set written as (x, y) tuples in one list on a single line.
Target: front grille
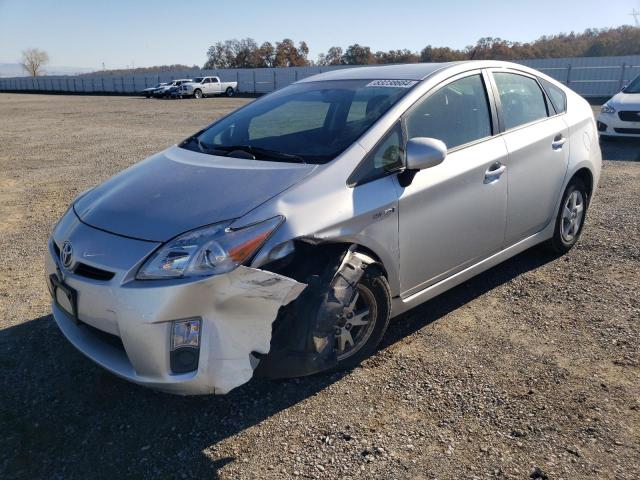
[(629, 116), (108, 338), (632, 131), (88, 271)]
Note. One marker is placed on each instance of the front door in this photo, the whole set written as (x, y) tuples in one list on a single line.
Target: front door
[(453, 215), (215, 85)]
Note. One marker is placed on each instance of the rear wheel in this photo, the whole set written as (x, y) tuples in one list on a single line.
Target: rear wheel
[(229, 92), (570, 219), (197, 93)]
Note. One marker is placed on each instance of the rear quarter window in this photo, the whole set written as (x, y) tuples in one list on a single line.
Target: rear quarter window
[(557, 96)]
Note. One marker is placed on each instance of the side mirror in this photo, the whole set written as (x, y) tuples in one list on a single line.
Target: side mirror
[(423, 152)]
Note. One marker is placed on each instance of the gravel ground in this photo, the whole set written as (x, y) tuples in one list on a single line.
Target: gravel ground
[(531, 370)]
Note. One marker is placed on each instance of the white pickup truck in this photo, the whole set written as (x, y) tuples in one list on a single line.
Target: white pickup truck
[(200, 87)]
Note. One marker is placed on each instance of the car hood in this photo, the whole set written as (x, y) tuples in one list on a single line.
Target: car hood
[(179, 190), (626, 101)]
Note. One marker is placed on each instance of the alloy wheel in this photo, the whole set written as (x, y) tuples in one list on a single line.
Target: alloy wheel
[(572, 216), (355, 325)]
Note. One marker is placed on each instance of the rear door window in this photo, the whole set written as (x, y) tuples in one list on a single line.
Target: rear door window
[(521, 98)]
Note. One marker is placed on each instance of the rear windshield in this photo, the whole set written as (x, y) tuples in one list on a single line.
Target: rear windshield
[(633, 87), (310, 122)]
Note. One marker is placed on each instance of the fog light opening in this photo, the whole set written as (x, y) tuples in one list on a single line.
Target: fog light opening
[(185, 345)]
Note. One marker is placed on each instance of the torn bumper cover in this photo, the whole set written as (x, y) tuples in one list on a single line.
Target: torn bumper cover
[(127, 329)]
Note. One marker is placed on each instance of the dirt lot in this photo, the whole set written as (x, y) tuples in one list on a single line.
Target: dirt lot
[(530, 370)]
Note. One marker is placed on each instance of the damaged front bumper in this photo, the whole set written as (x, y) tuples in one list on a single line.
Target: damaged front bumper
[(125, 325)]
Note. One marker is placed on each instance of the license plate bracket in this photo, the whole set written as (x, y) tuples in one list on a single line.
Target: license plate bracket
[(66, 298)]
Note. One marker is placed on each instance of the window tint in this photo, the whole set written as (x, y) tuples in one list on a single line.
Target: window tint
[(385, 157), (214, 80), (557, 96), (521, 98), (458, 113), (206, 80)]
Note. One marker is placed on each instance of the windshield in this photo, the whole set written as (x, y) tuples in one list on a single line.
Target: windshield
[(633, 87), (311, 122)]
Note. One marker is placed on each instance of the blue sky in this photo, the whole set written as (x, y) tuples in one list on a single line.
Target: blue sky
[(121, 33)]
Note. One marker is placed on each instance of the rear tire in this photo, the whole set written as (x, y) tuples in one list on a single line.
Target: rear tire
[(570, 218), (229, 92)]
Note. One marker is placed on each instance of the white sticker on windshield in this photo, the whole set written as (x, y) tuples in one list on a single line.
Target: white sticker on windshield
[(392, 83)]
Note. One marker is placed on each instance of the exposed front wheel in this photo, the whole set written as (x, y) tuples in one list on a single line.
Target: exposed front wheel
[(336, 322), (229, 92), (197, 93), (364, 320), (570, 219)]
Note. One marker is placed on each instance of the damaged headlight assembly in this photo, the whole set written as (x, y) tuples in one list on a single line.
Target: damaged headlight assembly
[(211, 250)]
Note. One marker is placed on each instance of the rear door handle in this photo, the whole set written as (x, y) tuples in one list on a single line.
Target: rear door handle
[(494, 171), (558, 142)]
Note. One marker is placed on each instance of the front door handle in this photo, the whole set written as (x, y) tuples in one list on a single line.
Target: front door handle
[(558, 142), (493, 172)]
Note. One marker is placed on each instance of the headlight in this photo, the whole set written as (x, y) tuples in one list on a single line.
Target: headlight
[(606, 108), (207, 251)]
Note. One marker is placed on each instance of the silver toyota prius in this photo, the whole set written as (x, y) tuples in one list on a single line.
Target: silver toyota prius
[(280, 240)]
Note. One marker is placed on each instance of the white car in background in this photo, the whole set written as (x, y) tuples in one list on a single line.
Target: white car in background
[(200, 87), (620, 116)]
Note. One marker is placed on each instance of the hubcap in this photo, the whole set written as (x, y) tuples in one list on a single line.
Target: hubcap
[(355, 325), (572, 214)]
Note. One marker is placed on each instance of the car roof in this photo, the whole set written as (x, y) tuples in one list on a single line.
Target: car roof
[(409, 71)]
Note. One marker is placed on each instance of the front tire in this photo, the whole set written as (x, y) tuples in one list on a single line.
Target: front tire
[(365, 320), (197, 94), (571, 216)]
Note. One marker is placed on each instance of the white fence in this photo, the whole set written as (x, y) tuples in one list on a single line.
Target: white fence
[(589, 76)]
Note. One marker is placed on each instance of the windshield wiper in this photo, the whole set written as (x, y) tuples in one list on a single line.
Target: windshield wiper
[(260, 152)]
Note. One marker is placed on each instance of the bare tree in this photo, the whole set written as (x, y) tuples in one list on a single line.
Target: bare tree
[(33, 59)]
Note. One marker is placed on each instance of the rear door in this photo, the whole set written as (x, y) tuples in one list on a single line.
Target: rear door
[(537, 141), (453, 215)]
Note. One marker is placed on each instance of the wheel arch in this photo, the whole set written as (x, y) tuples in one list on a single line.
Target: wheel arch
[(313, 251), (586, 176)]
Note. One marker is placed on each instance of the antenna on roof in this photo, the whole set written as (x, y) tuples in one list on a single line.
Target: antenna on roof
[(635, 14)]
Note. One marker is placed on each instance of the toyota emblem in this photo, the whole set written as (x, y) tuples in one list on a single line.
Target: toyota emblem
[(66, 255)]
